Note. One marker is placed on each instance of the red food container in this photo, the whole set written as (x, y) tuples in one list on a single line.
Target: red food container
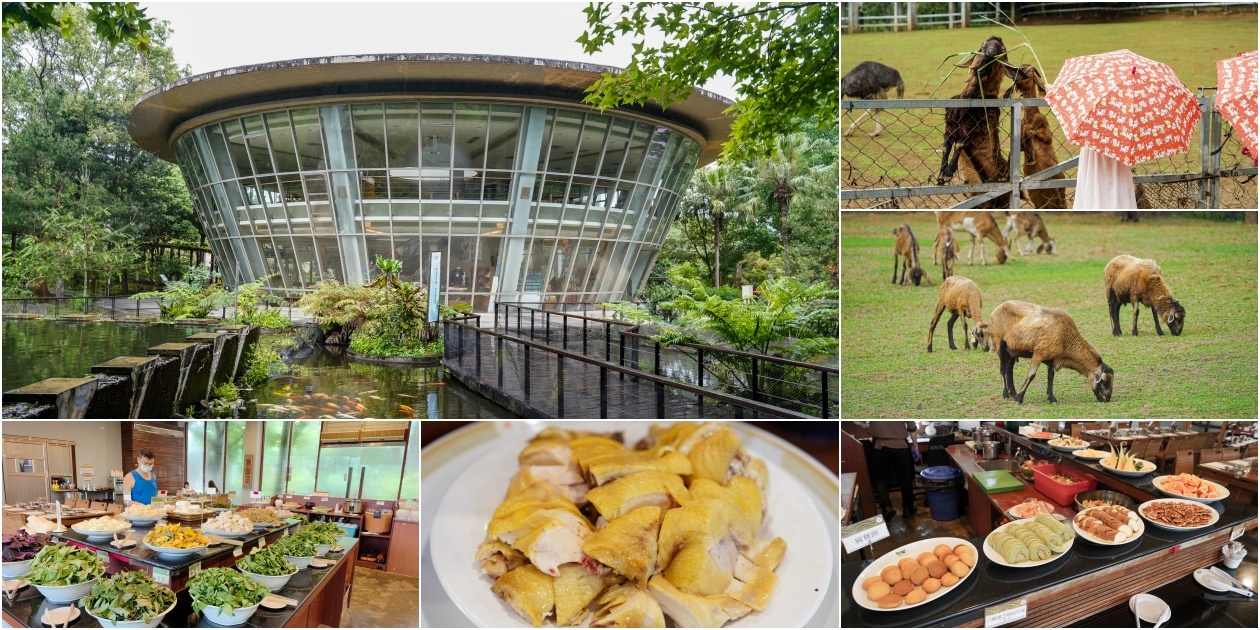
[(1062, 493)]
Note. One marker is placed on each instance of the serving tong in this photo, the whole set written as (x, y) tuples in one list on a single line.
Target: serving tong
[(125, 541), (1231, 582)]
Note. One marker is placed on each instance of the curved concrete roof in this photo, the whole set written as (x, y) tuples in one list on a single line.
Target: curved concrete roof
[(159, 113)]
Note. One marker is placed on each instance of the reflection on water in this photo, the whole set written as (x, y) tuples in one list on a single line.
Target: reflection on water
[(40, 349), (333, 387)]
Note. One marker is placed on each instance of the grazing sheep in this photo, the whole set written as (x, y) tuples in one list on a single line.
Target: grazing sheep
[(947, 246), (1046, 335), (907, 247), (962, 297), (979, 224), (1028, 224), (1138, 281)]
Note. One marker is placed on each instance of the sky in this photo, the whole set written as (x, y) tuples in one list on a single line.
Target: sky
[(215, 35)]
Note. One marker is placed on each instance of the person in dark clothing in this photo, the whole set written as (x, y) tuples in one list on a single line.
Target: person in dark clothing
[(893, 458)]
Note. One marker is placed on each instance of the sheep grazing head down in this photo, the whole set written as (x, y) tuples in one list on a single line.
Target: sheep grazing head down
[(981, 337), (917, 274), (1001, 256), (1176, 318), (1102, 381)]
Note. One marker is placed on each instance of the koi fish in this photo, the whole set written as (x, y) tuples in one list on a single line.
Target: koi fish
[(407, 410)]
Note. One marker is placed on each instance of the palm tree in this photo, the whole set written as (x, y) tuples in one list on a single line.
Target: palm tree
[(712, 192), (779, 176)]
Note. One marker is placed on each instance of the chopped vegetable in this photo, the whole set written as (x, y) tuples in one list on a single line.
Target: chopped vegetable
[(297, 546), (226, 589), (176, 537), (128, 596), (23, 546), (63, 565), (266, 562)]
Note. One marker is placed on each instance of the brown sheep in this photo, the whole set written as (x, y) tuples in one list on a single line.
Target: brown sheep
[(979, 224), (1035, 138), (1138, 281), (962, 297), (1046, 335), (947, 246), (1028, 224), (907, 247)]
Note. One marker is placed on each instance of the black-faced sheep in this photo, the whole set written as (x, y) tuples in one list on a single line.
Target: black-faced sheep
[(907, 247), (1027, 224), (1046, 335), (946, 246), (1138, 281), (962, 297), (977, 224)]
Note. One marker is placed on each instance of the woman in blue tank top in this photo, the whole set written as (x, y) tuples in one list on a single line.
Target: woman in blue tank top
[(140, 486)]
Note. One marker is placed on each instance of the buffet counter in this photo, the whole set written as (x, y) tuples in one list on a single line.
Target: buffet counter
[(321, 595), (1091, 577)]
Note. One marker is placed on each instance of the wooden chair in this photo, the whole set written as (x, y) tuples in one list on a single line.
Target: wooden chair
[(1231, 453), (1138, 447), (1091, 426), (98, 506), (114, 508), (1170, 450), (1184, 462), (1250, 450), (1209, 455), (1205, 441), (1076, 430)]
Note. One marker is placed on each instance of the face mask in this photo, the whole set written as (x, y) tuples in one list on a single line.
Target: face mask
[(146, 467)]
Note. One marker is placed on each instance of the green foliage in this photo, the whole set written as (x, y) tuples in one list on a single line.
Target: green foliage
[(196, 295), (77, 242), (337, 306), (754, 269), (454, 310), (250, 296), (225, 391), (225, 588), (63, 565), (775, 319), (655, 295), (114, 22), (264, 362), (128, 596), (628, 312), (784, 57), (266, 561), (382, 339)]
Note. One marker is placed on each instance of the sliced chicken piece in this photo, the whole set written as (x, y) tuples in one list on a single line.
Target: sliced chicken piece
[(628, 544), (552, 544), (765, 553), (752, 584), (711, 453), (649, 487), (530, 592), (575, 587), (512, 526), (704, 520), (742, 495), (497, 558), (685, 609), (627, 607), (605, 468), (694, 570), (546, 451), (732, 608)]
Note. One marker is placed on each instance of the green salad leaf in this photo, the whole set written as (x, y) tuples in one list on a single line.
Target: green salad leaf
[(321, 536), (297, 546), (63, 565), (266, 562), (128, 596), (226, 589)]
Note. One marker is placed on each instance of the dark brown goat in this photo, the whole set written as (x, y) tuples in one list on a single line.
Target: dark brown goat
[(1036, 140), (975, 129)]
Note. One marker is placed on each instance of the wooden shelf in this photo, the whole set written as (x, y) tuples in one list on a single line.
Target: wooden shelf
[(363, 535), (343, 514), (369, 564)]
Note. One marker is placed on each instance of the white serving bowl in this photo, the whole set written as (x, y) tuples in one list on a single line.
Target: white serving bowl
[(301, 562), (228, 534), (238, 616), (172, 552), (70, 593), (99, 534), (139, 623), (322, 550), (14, 569), (272, 582), (142, 520)]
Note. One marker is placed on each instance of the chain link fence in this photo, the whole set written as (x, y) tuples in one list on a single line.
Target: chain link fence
[(899, 167)]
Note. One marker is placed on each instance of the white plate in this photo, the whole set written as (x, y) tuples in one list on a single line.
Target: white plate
[(1065, 449), (1099, 456), (99, 534), (1150, 468), (1141, 528), (1052, 436), (1215, 515), (1221, 490), (208, 531), (1205, 579), (172, 552), (911, 550), (993, 555), (465, 510), (142, 520)]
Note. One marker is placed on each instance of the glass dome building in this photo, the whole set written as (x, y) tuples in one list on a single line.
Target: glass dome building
[(306, 170)]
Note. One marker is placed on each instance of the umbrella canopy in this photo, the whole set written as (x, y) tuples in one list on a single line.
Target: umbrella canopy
[(1236, 95), (1123, 105)]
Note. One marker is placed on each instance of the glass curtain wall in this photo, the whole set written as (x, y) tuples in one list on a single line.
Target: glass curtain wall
[(315, 193), (216, 452)]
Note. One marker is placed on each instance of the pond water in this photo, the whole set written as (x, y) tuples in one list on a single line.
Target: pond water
[(340, 388), (40, 349)]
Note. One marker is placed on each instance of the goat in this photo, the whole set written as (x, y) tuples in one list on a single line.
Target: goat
[(1126, 217), (962, 297), (1046, 335), (1028, 224), (975, 129), (1036, 140), (870, 80), (979, 224), (1139, 281), (907, 247), (947, 246)]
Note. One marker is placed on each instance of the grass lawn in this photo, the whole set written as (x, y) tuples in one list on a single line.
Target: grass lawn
[(906, 153), (1209, 371)]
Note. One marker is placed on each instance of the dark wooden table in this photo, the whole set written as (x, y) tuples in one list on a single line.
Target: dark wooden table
[(1241, 487)]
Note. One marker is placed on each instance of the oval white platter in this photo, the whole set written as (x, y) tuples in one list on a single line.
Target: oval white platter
[(911, 550), (1220, 489), (993, 555), (1146, 470), (1215, 515), (1137, 533)]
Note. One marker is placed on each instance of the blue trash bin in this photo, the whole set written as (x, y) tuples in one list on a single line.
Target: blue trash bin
[(943, 491)]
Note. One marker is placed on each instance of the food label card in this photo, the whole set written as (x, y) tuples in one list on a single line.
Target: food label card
[(1237, 532), (863, 533), (162, 576), (194, 569), (1005, 613)]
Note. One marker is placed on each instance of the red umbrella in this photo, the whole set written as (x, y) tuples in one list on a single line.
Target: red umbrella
[(1123, 105), (1236, 95)]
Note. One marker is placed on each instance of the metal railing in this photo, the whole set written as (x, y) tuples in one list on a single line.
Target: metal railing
[(797, 385), (900, 167), (462, 340), (112, 305)]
